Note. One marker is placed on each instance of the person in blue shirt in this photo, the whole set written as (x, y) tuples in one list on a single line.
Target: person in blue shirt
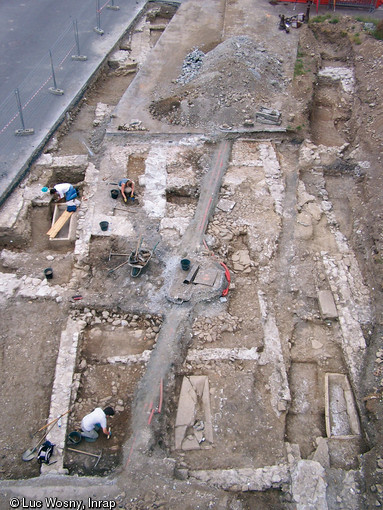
[(126, 185)]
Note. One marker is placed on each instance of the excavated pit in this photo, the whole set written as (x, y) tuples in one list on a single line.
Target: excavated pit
[(112, 356), (262, 362)]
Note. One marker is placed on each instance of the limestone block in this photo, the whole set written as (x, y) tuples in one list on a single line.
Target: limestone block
[(193, 420), (180, 432), (45, 160), (70, 162), (225, 205), (8, 284), (177, 224), (303, 196), (121, 58), (190, 443), (304, 232), (327, 305), (102, 112), (314, 210), (321, 454), (308, 485), (340, 411), (184, 184), (187, 403), (304, 219)]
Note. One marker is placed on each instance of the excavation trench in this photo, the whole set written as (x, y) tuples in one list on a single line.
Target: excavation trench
[(231, 396)]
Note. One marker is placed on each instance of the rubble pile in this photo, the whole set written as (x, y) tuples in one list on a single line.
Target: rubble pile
[(221, 232), (93, 317), (209, 329), (27, 287), (191, 66), (225, 86), (245, 61), (224, 229), (180, 211)]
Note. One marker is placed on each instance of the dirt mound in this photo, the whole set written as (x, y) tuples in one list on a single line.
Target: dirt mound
[(235, 77)]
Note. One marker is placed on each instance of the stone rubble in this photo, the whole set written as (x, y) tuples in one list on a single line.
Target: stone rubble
[(307, 477), (29, 288), (92, 317), (102, 113), (209, 329), (343, 74), (191, 66)]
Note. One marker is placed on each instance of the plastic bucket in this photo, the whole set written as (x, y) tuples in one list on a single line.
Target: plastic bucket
[(104, 225), (48, 272), (74, 437), (114, 193), (185, 264)]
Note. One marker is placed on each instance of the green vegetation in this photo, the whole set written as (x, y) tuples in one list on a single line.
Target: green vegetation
[(356, 38), (320, 19), (299, 69), (293, 129), (378, 32), (324, 17), (300, 53), (365, 19)]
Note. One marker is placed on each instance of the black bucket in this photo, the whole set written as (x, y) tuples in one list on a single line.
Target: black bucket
[(48, 272), (74, 437), (185, 264), (114, 193), (104, 225)]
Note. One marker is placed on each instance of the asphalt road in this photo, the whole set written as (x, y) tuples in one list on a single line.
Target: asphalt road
[(29, 29)]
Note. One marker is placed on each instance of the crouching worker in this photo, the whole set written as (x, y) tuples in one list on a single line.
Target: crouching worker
[(63, 190), (128, 186), (94, 421)]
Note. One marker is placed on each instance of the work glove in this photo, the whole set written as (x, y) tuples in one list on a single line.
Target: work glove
[(125, 199)]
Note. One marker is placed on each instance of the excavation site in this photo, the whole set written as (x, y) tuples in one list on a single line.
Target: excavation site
[(226, 301)]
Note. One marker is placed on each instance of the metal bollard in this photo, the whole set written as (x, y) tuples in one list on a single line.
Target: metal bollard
[(113, 7), (98, 29), (23, 131), (54, 90), (78, 56)]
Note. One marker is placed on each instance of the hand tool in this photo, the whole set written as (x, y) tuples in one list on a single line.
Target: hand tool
[(30, 453), (111, 254), (51, 422), (87, 453)]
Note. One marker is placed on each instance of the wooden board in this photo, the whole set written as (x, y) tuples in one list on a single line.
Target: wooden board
[(55, 229)]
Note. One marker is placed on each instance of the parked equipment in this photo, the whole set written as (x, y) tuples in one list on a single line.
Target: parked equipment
[(139, 259), (31, 453)]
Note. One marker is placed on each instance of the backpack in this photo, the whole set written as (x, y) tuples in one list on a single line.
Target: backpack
[(45, 452)]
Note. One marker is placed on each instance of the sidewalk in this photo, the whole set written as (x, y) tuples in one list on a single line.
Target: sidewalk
[(18, 152)]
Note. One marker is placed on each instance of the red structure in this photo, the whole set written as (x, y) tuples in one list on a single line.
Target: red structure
[(361, 4)]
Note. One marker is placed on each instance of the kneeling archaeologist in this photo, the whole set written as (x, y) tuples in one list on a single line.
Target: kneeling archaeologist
[(94, 421), (63, 190)]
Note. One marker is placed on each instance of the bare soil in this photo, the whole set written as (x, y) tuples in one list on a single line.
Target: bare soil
[(248, 430)]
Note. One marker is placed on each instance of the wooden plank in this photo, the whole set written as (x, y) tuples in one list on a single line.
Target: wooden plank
[(55, 229)]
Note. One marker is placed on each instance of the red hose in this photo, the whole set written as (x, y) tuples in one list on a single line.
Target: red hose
[(227, 274)]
